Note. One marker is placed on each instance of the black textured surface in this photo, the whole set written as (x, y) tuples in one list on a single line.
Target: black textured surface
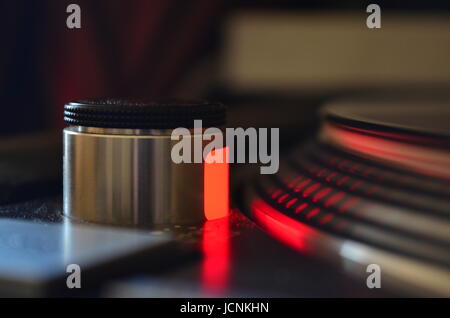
[(405, 213), (412, 121), (143, 114)]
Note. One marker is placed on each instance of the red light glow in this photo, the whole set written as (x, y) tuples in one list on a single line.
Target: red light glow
[(420, 158), (282, 227), (282, 198), (334, 199), (311, 189), (322, 193), (301, 207), (302, 185), (276, 194), (216, 186), (293, 182), (216, 250), (312, 213), (291, 202)]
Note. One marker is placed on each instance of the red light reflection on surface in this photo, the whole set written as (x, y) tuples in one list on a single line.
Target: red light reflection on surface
[(276, 194), (282, 198), (301, 207), (302, 184), (282, 227), (384, 146), (322, 193), (291, 202), (294, 182), (216, 185), (311, 189), (312, 213), (216, 250), (333, 199)]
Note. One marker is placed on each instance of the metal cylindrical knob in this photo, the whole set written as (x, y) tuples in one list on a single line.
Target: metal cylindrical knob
[(117, 162)]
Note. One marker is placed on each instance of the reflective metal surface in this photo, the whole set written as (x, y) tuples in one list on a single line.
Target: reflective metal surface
[(404, 274), (129, 180), (34, 256)]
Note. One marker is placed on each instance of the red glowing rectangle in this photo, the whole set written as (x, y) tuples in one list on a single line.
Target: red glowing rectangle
[(215, 247), (216, 185)]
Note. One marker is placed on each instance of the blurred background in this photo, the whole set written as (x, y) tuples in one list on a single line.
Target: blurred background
[(273, 62), (251, 51)]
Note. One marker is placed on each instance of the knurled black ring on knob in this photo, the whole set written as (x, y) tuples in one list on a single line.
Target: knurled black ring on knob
[(142, 113)]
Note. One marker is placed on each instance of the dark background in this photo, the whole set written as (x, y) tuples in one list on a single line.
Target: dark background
[(129, 48)]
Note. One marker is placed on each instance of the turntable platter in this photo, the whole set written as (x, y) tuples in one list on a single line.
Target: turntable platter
[(423, 118), (409, 134), (373, 188)]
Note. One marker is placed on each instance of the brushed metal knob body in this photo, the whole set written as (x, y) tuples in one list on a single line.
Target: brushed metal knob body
[(125, 176)]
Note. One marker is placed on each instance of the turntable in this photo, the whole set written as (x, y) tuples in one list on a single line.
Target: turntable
[(370, 191), (372, 188)]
